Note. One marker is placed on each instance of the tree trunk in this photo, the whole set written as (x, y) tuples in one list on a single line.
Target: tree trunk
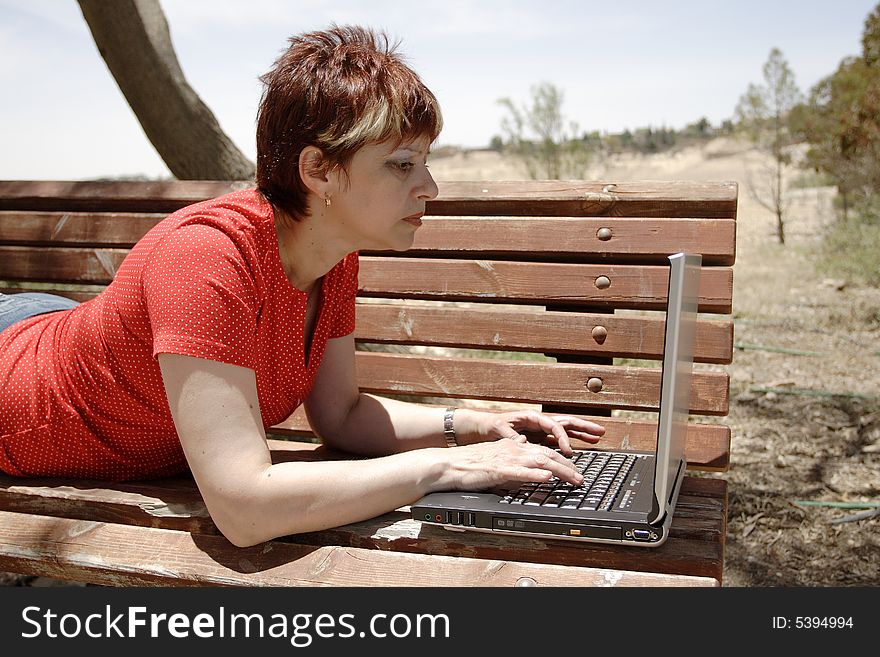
[(780, 227), (133, 38)]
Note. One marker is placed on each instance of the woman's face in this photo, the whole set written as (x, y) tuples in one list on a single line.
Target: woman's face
[(380, 202)]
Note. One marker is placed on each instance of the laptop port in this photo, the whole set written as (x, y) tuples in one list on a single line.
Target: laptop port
[(641, 534)]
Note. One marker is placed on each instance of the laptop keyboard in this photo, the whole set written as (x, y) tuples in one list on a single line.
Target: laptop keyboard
[(604, 475)]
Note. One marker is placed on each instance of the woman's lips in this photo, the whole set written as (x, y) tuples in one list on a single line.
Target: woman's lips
[(414, 219)]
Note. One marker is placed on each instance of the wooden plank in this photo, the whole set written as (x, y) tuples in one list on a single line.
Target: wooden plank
[(573, 239), (76, 295), (530, 382), (644, 240), (544, 198), (447, 325), (119, 555), (175, 503), (587, 198), (697, 533), (110, 196), (169, 503), (695, 545), (526, 330), (523, 330), (89, 229), (707, 446), (172, 503), (75, 265), (526, 238), (630, 286)]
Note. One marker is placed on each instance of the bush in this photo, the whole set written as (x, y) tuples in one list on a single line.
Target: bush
[(851, 245)]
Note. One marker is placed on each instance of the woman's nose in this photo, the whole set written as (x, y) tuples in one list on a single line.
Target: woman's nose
[(428, 188)]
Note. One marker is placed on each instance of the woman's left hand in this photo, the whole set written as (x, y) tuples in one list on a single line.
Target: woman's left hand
[(532, 426)]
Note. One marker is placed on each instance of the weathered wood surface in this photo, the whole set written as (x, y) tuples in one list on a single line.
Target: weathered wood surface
[(496, 281), (121, 555), (695, 545), (632, 388), (531, 330), (74, 516), (509, 198), (629, 286), (524, 238)]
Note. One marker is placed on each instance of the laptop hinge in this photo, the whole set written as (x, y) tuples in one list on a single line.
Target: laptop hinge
[(658, 515)]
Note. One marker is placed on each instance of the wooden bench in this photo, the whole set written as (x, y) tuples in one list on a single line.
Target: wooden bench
[(542, 294)]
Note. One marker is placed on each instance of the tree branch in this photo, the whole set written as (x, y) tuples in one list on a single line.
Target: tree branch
[(133, 38)]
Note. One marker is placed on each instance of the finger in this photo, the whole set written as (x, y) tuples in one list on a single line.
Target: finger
[(523, 473), (548, 459), (505, 430), (553, 428), (579, 424), (586, 437), (551, 439)]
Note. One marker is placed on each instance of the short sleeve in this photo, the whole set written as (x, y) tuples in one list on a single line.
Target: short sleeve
[(201, 297), (348, 288)]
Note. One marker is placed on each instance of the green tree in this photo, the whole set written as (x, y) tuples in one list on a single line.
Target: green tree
[(540, 135), (841, 121), (763, 113), (701, 129)]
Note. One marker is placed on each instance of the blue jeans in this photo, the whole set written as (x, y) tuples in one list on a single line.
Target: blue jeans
[(16, 307)]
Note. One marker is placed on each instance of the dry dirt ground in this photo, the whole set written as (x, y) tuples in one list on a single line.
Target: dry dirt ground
[(805, 380)]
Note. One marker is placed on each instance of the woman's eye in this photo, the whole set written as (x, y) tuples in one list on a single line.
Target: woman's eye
[(405, 166)]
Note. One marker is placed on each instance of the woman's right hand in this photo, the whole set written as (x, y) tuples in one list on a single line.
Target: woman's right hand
[(502, 462)]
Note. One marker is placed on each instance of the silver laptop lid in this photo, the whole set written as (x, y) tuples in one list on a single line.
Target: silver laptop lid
[(675, 389)]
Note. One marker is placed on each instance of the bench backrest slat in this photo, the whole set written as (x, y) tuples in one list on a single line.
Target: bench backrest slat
[(632, 388), (509, 198), (555, 239), (490, 281), (527, 330)]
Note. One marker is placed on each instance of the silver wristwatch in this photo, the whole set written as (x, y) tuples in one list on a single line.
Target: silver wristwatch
[(448, 428)]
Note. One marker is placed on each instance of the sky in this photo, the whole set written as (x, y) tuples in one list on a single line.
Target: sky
[(629, 64)]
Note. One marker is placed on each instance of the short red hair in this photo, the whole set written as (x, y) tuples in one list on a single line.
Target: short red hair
[(338, 90)]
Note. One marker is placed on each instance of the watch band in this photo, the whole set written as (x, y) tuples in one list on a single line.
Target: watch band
[(448, 427)]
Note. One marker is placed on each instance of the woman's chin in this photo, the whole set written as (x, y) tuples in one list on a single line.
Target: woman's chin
[(402, 242)]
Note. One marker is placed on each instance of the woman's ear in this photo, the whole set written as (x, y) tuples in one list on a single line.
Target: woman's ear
[(315, 172)]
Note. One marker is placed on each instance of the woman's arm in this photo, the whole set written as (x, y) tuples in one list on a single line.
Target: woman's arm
[(216, 412), (366, 424)]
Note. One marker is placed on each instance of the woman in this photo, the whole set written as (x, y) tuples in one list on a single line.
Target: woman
[(232, 312)]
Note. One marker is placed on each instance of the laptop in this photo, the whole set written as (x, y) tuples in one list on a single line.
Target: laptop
[(627, 496)]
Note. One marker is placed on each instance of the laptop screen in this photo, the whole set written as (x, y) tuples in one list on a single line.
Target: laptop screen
[(675, 389)]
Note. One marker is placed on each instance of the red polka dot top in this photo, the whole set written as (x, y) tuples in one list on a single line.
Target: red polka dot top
[(81, 392)]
